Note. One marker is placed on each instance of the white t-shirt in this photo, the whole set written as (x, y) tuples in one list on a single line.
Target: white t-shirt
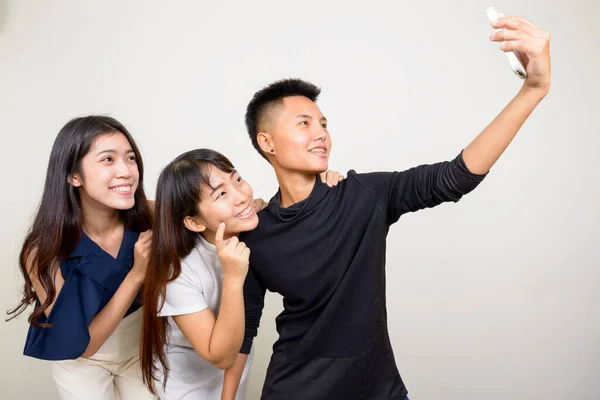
[(198, 287)]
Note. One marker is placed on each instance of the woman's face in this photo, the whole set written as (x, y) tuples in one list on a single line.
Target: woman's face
[(109, 173), (231, 202)]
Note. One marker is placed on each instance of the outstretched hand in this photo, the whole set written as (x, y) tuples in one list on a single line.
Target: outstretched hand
[(532, 45)]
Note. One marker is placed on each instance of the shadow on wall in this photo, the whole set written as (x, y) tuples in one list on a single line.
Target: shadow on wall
[(3, 13)]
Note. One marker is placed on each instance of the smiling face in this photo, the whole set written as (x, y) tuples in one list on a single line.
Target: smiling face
[(109, 175), (229, 199), (297, 132)]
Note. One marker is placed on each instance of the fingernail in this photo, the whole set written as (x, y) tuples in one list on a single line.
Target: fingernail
[(222, 224)]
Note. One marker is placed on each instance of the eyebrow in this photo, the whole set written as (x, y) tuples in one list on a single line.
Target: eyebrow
[(220, 185), (309, 117), (114, 151)]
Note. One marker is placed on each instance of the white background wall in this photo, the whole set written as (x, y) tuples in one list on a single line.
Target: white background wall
[(495, 297)]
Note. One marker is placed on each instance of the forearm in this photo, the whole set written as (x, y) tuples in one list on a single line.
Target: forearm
[(106, 321), (483, 152), (228, 331), (233, 376)]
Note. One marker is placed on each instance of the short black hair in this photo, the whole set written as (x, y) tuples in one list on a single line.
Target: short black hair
[(271, 95)]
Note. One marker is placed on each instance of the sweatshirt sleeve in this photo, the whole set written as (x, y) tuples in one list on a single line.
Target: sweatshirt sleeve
[(423, 186), (254, 302)]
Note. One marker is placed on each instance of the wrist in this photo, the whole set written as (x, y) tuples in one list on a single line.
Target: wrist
[(233, 282), (537, 92), (227, 395), (136, 276)]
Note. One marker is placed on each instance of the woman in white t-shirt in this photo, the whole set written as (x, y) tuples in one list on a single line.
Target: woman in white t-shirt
[(195, 279)]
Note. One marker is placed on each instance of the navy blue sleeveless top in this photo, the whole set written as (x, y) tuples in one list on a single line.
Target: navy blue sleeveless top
[(92, 276)]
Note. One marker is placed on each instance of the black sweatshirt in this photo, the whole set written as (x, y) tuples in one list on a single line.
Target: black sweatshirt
[(326, 256)]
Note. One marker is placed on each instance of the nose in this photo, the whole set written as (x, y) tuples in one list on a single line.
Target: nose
[(239, 197), (123, 169), (320, 134)]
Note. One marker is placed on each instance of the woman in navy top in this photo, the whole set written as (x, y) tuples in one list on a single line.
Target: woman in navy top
[(84, 261)]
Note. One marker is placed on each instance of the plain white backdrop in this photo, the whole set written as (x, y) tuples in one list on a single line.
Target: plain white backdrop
[(495, 297)]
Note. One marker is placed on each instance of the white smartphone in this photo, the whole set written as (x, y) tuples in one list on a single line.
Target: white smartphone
[(513, 57)]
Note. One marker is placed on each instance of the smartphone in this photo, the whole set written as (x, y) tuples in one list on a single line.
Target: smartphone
[(515, 61)]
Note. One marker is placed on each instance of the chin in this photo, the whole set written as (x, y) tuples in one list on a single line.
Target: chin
[(314, 167), (235, 226), (251, 223), (247, 225), (320, 168), (123, 205)]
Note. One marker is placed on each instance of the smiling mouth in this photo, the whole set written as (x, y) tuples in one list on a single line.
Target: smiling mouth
[(246, 212), (318, 151), (121, 189)]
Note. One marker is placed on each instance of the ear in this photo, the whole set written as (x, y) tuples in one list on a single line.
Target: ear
[(265, 141), (74, 180), (194, 224)]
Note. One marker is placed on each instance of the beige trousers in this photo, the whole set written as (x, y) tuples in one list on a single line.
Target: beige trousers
[(113, 373)]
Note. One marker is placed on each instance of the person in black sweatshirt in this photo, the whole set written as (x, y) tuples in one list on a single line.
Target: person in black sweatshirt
[(324, 249)]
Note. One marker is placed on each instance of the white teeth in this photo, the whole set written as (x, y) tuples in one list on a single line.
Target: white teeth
[(247, 211), (121, 189)]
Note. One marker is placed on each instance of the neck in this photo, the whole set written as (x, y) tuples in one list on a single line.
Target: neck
[(294, 186), (99, 221)]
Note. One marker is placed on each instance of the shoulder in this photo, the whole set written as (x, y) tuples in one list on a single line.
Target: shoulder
[(364, 178), (195, 274), (200, 261), (266, 219), (190, 277), (192, 262), (30, 262), (369, 182), (58, 269)]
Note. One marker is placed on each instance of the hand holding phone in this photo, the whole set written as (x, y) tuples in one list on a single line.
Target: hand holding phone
[(513, 57)]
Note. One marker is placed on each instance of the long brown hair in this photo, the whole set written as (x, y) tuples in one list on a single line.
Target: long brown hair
[(178, 194), (57, 225)]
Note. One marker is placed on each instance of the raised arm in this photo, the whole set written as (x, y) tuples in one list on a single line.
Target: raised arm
[(233, 376), (217, 339), (254, 296), (533, 44), (428, 185), (105, 323)]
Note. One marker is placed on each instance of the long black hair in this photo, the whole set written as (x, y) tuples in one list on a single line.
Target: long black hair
[(178, 194), (58, 222)]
